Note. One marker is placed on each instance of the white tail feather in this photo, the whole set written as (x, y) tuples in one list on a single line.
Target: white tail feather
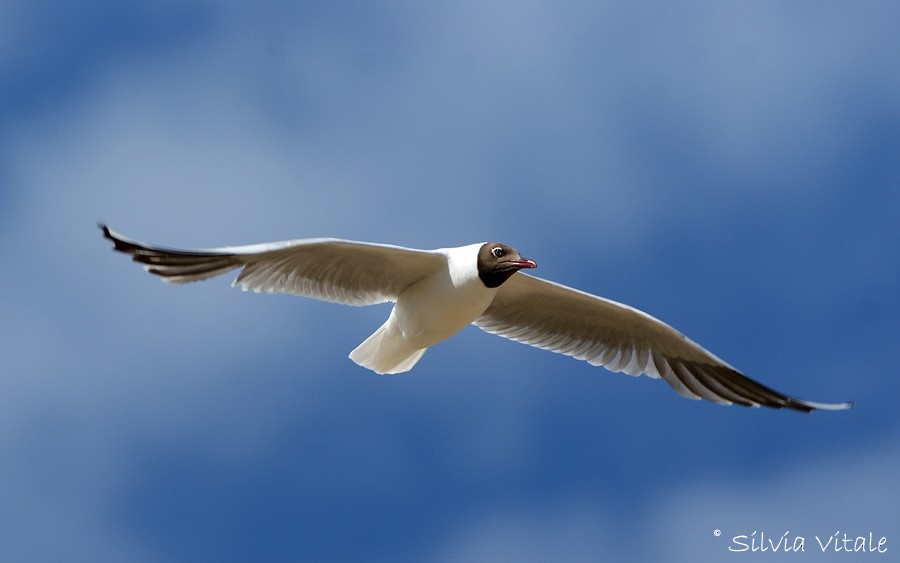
[(384, 352)]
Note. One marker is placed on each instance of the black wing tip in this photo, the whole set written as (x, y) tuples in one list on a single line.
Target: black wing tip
[(790, 403), (735, 388), (108, 234), (119, 243), (805, 407), (810, 406)]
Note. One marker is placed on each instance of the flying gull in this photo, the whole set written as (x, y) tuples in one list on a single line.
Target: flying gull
[(436, 293)]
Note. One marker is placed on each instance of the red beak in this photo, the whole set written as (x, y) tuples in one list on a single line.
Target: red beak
[(525, 263)]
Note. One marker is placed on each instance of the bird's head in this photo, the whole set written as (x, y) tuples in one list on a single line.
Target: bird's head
[(497, 262)]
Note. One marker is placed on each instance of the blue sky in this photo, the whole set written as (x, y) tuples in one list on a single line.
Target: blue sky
[(731, 168)]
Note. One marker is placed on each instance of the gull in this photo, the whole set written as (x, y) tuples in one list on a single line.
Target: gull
[(437, 293)]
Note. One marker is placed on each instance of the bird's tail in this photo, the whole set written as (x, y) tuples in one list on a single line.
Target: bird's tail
[(384, 352)]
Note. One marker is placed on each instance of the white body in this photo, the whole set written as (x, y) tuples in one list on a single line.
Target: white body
[(429, 311)]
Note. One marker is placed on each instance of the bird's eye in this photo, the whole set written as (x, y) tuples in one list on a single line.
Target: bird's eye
[(497, 252)]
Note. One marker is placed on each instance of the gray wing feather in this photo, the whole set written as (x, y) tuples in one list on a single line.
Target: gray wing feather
[(335, 270), (602, 332)]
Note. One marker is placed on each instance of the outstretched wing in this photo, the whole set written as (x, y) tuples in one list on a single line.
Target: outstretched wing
[(602, 332), (340, 271)]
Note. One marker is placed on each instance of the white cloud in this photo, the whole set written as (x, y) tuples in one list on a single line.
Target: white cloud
[(843, 489), (573, 531)]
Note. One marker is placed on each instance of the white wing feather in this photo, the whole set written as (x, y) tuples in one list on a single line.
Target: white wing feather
[(335, 270), (602, 332)]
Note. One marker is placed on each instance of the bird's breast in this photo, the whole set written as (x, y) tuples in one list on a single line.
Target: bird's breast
[(439, 306)]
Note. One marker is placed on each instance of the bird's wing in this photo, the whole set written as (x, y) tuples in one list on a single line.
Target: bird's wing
[(340, 271), (602, 332)]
